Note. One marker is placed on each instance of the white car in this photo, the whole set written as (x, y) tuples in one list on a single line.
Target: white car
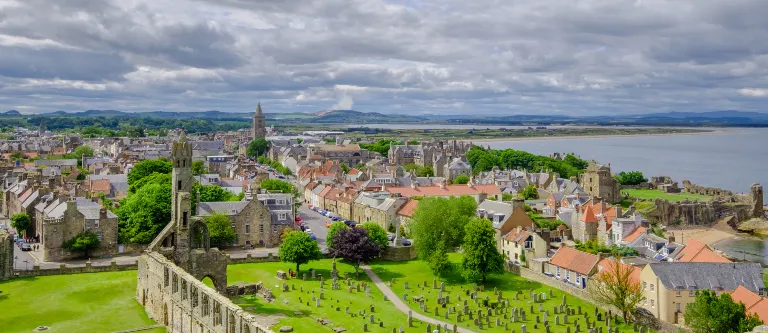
[(309, 231)]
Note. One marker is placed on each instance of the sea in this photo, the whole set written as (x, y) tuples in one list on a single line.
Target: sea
[(729, 158)]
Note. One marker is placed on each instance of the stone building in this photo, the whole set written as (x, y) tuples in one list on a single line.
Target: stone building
[(6, 255), (259, 130), (598, 182)]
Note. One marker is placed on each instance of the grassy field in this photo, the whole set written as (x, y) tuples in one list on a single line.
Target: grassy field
[(98, 302), (286, 303), (674, 197), (416, 272)]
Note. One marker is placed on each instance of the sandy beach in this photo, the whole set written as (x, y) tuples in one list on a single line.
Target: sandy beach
[(717, 131), (720, 231)]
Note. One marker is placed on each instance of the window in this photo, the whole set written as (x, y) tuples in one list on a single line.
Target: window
[(678, 293), (692, 292), (645, 285), (281, 201), (651, 286), (261, 228), (178, 185), (247, 228), (653, 303), (281, 216), (568, 275), (677, 307), (528, 244), (184, 219), (558, 272)]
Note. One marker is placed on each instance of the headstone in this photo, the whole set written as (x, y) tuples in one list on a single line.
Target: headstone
[(523, 329), (442, 286), (372, 319), (317, 302), (498, 321), (304, 276), (429, 328), (322, 295), (406, 284), (405, 297)]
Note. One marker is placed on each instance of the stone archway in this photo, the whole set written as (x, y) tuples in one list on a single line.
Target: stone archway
[(200, 237)]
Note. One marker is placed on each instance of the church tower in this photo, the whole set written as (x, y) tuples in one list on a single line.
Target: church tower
[(181, 204), (259, 129)]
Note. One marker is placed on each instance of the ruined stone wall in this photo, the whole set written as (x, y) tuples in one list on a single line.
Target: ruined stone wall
[(6, 255), (400, 253), (682, 213), (698, 189), (76, 269), (182, 303)]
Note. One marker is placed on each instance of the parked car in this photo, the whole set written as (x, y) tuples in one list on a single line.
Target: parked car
[(298, 219), (312, 236), (308, 230), (350, 223), (391, 237), (26, 247), (335, 218), (407, 242)]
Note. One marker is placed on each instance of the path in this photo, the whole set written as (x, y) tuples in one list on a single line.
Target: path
[(400, 305)]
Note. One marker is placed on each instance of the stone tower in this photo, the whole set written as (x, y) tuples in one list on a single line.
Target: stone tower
[(259, 129), (757, 200), (598, 182), (181, 204)]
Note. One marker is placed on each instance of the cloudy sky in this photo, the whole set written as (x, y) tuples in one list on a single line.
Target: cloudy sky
[(403, 56)]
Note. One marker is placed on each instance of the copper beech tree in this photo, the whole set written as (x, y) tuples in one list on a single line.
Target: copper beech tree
[(615, 286)]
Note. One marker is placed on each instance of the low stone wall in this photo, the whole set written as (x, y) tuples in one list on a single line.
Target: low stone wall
[(249, 259), (75, 269), (698, 189), (400, 253)]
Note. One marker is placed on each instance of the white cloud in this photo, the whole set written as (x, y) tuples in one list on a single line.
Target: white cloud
[(753, 92)]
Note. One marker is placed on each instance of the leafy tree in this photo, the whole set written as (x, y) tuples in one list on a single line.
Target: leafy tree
[(144, 214), (439, 263), (299, 248), (630, 178), (344, 167), (81, 151), (277, 185), (623, 251), (426, 171), (381, 146), (361, 166), (530, 193), (523, 260), (198, 168), (482, 159), (220, 229), (299, 140), (712, 314), (440, 222), (354, 246), (615, 287), (461, 179), (332, 231), (377, 234), (17, 155), (213, 193), (154, 178), (21, 222), (507, 196), (285, 233), (257, 147), (414, 142), (83, 242), (575, 161), (481, 255), (148, 167)]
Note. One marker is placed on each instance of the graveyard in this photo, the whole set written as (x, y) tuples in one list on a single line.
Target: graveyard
[(92, 302), (506, 303), (306, 307)]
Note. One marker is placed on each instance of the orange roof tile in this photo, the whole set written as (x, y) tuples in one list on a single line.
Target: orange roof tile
[(753, 302), (588, 215), (696, 251), (408, 208), (447, 190), (353, 172), (26, 194), (606, 263), (574, 260), (100, 185), (635, 235)]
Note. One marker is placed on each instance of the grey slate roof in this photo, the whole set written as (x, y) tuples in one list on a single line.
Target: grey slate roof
[(228, 208), (712, 276)]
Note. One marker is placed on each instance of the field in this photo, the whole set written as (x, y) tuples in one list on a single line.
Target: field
[(97, 302), (283, 310), (417, 272), (673, 197)]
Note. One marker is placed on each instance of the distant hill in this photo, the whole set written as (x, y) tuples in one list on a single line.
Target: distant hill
[(12, 113)]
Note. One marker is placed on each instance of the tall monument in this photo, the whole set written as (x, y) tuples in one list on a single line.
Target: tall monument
[(259, 129)]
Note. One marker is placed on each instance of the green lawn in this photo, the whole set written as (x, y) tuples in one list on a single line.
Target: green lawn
[(307, 320), (416, 272), (674, 197), (97, 302)]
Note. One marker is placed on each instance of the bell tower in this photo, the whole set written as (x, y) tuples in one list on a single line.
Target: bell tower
[(181, 205), (259, 130)]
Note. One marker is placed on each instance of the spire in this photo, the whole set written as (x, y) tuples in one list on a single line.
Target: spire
[(258, 109)]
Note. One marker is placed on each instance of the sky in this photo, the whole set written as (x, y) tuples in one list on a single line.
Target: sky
[(495, 57)]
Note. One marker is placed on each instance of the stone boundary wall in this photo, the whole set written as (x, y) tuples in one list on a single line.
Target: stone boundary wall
[(698, 189), (183, 304), (75, 269), (400, 253)]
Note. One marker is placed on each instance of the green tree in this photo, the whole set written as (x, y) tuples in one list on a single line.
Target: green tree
[(148, 167), (198, 168), (17, 155), (83, 242), (154, 178), (332, 231), (21, 222), (144, 214), (530, 193), (523, 259), (344, 167), (426, 171), (377, 234), (220, 229), (438, 261), (630, 178), (299, 248), (257, 147), (81, 151), (507, 196), (461, 179), (575, 161), (277, 185), (440, 222), (212, 193), (615, 287), (712, 314), (481, 255)]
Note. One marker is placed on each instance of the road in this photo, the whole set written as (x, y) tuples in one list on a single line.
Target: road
[(316, 222)]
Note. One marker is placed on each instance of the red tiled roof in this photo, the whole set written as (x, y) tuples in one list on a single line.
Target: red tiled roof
[(408, 208), (26, 194), (696, 251), (635, 234), (606, 263), (588, 215), (574, 260), (447, 190), (753, 302), (353, 172), (517, 237), (100, 185)]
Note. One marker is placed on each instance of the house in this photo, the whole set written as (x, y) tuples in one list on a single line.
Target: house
[(657, 248), (670, 286), (504, 217), (598, 181), (457, 167), (696, 251), (478, 192), (65, 165), (524, 240), (572, 266), (405, 213), (754, 303), (365, 203)]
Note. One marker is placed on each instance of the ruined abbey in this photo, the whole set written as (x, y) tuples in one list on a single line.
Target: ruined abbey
[(724, 204)]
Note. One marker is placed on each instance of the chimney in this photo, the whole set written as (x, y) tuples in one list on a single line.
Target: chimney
[(671, 238), (102, 213)]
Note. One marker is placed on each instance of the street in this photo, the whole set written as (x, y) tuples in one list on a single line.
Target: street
[(316, 222)]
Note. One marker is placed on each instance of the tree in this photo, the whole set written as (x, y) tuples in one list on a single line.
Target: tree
[(299, 248), (344, 167), (144, 214), (212, 193), (257, 147), (285, 233), (507, 196), (148, 167), (461, 179), (438, 261), (575, 161), (154, 178), (81, 151), (354, 246), (630, 178), (277, 185), (17, 155), (83, 242), (332, 231), (481, 255), (712, 314), (426, 171), (198, 168), (220, 229), (377, 234), (440, 222), (523, 260), (21, 222), (616, 287), (530, 193)]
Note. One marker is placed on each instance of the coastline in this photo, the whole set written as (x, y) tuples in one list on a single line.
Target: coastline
[(593, 136)]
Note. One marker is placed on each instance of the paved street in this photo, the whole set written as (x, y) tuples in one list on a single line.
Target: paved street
[(316, 222)]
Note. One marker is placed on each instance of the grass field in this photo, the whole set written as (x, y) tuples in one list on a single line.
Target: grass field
[(97, 302), (286, 303), (673, 197), (416, 272)]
